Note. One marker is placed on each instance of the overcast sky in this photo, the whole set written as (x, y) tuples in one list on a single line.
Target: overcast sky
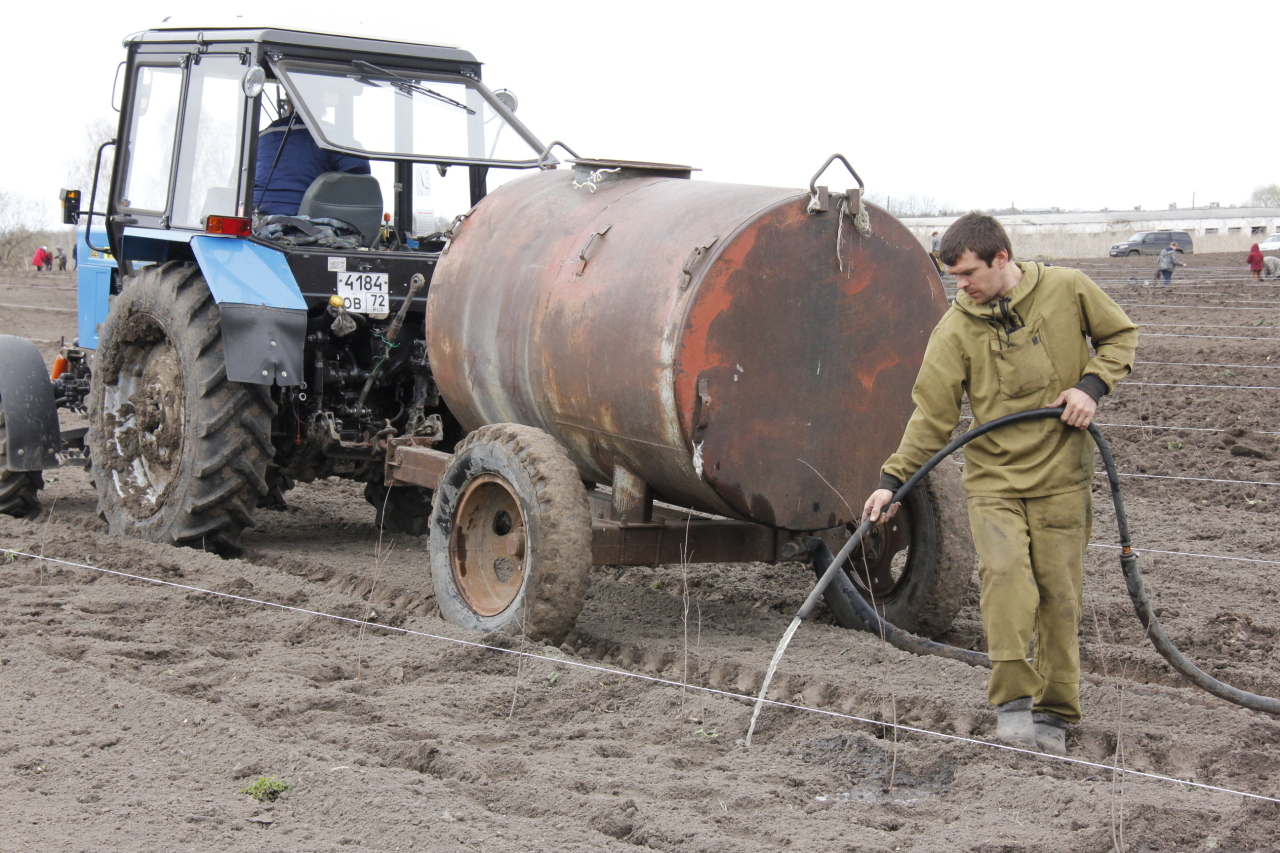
[(1078, 105)]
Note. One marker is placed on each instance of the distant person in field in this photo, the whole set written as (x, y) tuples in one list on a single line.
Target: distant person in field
[(1254, 260), (1270, 267), (1167, 261), (933, 251), (61, 257), (289, 160), (38, 259)]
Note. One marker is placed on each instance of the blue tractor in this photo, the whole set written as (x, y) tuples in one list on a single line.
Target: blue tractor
[(297, 271), (278, 203)]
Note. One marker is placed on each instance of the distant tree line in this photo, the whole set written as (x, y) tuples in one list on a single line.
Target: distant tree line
[(24, 221), (1265, 196)]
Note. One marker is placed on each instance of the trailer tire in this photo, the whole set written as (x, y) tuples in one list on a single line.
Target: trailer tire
[(19, 490), (400, 509), (918, 587), (511, 535), (179, 452)]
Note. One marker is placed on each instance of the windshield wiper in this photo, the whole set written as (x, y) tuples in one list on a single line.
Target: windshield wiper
[(407, 86)]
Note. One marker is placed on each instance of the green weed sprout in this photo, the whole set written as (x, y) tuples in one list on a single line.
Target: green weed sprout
[(266, 788)]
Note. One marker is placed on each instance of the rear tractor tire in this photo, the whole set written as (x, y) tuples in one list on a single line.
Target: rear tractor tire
[(916, 567), (19, 490), (511, 535), (179, 452)]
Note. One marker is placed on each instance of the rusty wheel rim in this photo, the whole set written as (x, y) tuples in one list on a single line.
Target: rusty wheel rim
[(881, 564), (488, 546)]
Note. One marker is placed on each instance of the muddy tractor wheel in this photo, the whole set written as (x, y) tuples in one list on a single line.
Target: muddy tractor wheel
[(19, 490), (400, 509), (179, 453), (916, 567), (511, 535)]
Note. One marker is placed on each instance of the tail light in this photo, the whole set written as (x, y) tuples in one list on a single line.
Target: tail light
[(229, 226)]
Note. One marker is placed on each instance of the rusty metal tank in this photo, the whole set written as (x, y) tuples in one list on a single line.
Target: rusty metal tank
[(742, 355)]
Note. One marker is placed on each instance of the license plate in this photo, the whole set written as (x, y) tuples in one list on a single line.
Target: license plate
[(365, 292)]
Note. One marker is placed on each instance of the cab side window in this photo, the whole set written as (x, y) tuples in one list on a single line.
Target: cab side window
[(209, 161), (156, 98)]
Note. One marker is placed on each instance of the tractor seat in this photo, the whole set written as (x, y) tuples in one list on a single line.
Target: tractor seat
[(356, 199)]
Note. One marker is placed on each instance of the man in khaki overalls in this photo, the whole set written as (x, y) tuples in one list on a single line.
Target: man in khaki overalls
[(1016, 337)]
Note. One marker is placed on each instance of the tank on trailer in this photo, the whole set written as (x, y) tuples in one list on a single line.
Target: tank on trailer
[(725, 345)]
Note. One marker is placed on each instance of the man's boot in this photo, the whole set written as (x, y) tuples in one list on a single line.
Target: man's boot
[(1014, 724), (1051, 733)]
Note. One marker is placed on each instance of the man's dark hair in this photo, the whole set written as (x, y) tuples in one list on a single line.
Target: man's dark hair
[(976, 232)]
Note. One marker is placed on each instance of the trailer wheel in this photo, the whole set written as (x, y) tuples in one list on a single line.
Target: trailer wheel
[(400, 509), (916, 567), (179, 452), (19, 490), (511, 535)]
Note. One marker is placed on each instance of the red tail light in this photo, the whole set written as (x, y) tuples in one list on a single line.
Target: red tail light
[(230, 226)]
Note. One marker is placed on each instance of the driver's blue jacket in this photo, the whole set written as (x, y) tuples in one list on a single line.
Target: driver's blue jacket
[(280, 190)]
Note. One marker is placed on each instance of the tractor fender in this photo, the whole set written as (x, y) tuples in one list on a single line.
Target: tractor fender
[(30, 410), (264, 317)]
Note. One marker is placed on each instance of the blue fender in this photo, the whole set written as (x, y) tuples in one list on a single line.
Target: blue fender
[(240, 272), (264, 317), (95, 274), (30, 411)]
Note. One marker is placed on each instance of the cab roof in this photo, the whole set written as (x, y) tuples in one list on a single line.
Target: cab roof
[(305, 39)]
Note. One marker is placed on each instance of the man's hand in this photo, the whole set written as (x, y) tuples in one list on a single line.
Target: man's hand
[(1080, 408), (874, 508)]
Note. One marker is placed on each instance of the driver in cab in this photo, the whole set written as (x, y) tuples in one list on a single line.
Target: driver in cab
[(289, 160)]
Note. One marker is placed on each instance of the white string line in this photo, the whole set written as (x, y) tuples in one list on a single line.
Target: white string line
[(1196, 479), (1220, 337), (1202, 326), (1210, 281), (1189, 307), (1261, 303), (38, 308), (1209, 364), (1141, 551), (1201, 293), (1193, 385), (1188, 429), (1200, 287), (666, 682)]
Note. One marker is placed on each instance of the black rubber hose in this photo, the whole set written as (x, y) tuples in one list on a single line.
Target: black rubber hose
[(909, 642)]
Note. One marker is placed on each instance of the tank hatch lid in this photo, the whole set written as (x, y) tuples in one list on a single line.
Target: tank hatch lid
[(599, 171)]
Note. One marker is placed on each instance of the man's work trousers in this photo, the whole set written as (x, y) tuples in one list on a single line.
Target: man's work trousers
[(1031, 562)]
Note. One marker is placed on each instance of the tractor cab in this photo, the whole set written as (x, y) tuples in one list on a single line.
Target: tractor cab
[(337, 164), (276, 208)]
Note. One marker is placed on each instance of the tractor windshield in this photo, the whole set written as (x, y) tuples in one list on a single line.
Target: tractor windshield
[(378, 112)]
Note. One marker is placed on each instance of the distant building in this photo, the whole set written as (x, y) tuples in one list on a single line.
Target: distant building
[(1091, 233)]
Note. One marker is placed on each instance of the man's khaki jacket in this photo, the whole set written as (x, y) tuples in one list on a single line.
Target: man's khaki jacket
[(1014, 353)]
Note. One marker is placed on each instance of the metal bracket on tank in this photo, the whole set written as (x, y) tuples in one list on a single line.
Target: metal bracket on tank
[(546, 161), (582, 254), (820, 197), (701, 409), (452, 230), (694, 257)]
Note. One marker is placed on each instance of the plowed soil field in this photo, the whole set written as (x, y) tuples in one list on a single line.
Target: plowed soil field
[(142, 687)]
